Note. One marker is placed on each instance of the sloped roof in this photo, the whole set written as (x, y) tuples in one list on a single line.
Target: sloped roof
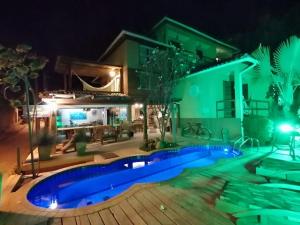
[(172, 21), (81, 67), (127, 34), (246, 58)]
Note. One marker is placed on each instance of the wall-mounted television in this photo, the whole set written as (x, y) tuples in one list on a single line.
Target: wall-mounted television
[(78, 116)]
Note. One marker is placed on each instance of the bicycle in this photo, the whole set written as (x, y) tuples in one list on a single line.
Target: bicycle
[(198, 130)]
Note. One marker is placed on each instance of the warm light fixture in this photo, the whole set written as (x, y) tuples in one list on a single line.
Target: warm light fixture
[(137, 105), (112, 73)]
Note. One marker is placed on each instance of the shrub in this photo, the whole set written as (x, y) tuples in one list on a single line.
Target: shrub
[(45, 138), (259, 127)]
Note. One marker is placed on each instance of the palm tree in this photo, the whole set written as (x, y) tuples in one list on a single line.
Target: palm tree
[(283, 69)]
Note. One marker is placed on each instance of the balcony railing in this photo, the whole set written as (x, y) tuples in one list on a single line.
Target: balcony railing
[(226, 108)]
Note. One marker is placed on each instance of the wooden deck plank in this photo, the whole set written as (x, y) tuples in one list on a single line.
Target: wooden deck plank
[(55, 221), (147, 217), (120, 215), (68, 221), (195, 205), (95, 219), (82, 220), (108, 217), (177, 208), (154, 210), (169, 212), (195, 210), (131, 213)]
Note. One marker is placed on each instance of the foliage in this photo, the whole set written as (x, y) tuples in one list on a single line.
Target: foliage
[(45, 138), (17, 65), (81, 136), (284, 69), (265, 131), (159, 76)]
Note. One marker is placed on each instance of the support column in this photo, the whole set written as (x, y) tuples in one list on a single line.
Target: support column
[(65, 82), (174, 122), (70, 82), (239, 110), (129, 113), (145, 123)]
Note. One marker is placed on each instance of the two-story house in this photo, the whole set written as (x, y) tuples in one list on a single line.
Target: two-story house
[(130, 50), (213, 93)]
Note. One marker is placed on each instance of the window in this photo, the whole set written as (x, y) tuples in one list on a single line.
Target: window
[(144, 54)]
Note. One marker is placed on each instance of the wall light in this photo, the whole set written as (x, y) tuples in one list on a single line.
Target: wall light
[(138, 106)]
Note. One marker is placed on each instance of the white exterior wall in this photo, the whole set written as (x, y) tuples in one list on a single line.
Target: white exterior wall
[(199, 95)]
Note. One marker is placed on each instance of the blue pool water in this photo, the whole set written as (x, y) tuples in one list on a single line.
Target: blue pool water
[(88, 185)]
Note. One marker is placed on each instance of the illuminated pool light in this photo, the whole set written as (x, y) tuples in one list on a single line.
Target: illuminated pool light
[(53, 205), (285, 128)]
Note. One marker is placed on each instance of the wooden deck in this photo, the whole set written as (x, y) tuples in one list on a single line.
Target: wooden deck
[(161, 204), (186, 200)]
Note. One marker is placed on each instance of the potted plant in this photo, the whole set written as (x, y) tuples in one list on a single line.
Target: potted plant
[(45, 143), (80, 142)]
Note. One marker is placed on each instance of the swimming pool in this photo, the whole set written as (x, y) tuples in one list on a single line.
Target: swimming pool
[(88, 185)]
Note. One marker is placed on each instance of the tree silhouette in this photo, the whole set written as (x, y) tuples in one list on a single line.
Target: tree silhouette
[(17, 67), (283, 69), (159, 76)]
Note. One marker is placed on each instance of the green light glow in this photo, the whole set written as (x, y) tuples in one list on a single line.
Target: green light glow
[(285, 128)]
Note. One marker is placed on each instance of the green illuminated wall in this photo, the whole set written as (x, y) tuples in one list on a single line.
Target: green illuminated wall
[(199, 95)]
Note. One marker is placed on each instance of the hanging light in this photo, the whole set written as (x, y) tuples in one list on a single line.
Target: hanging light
[(112, 73)]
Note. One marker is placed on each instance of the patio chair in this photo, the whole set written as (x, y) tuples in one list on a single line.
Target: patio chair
[(108, 133)]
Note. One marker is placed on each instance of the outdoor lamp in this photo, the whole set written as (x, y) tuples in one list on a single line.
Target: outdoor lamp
[(112, 73), (285, 128)]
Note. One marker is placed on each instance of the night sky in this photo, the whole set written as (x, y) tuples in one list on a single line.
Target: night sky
[(84, 28)]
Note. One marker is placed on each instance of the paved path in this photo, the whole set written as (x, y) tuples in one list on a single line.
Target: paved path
[(8, 148)]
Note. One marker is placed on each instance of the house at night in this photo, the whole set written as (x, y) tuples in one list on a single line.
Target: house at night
[(213, 93)]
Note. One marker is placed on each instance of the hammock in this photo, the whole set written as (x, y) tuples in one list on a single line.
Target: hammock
[(112, 86)]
